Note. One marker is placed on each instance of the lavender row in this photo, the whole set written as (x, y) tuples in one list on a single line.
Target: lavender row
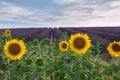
[(109, 29)]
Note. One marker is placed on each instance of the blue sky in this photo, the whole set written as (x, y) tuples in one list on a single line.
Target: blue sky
[(59, 13)]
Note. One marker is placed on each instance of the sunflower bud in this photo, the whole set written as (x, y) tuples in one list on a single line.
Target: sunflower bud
[(28, 61), (39, 62), (35, 41)]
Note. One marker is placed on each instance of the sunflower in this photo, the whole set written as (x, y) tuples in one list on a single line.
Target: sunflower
[(114, 49), (79, 43), (14, 49), (7, 32), (63, 46)]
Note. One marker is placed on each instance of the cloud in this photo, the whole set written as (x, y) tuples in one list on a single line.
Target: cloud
[(115, 3), (10, 12), (67, 1), (85, 12), (75, 13)]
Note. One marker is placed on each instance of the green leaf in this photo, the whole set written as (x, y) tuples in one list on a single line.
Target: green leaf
[(35, 41), (3, 66), (115, 68), (108, 71), (59, 75), (44, 41), (116, 77), (67, 77)]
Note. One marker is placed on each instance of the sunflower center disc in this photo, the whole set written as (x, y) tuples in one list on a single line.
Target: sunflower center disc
[(64, 45), (79, 43), (14, 49), (116, 47), (8, 32)]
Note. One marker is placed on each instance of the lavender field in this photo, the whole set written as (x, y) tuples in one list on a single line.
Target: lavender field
[(97, 34)]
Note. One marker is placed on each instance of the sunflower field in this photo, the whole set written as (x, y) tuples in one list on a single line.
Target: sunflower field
[(72, 57)]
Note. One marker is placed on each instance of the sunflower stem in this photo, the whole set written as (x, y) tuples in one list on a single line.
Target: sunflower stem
[(8, 62)]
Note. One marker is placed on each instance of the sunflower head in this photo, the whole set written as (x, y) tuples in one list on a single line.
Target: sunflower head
[(7, 32), (63, 46), (114, 49), (14, 49), (79, 43)]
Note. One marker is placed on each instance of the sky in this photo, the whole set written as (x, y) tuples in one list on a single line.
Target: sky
[(59, 13)]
